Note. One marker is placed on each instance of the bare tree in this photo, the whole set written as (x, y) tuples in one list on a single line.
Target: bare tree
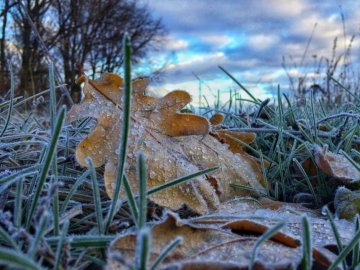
[(92, 35), (33, 68), (77, 32)]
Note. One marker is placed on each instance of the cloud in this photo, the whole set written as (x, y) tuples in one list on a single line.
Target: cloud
[(249, 38), (217, 41), (175, 44), (261, 42)]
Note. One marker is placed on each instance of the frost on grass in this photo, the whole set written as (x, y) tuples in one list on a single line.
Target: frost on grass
[(174, 144)]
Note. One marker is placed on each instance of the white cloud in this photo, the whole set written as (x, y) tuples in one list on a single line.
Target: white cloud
[(261, 41), (280, 8), (296, 73), (172, 43), (247, 63), (216, 40), (196, 62)]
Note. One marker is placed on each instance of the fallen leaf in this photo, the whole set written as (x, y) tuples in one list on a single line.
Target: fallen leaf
[(247, 225), (203, 247), (216, 119), (248, 215), (335, 165), (174, 144), (232, 139), (172, 123), (225, 238), (347, 203), (309, 167)]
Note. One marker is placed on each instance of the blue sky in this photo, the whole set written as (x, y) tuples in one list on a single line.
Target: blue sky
[(249, 39)]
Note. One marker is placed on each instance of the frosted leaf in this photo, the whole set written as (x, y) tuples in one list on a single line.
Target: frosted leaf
[(204, 247), (335, 165), (174, 145), (347, 203)]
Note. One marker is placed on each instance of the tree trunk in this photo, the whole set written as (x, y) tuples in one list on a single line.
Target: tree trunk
[(25, 74), (33, 72), (4, 76)]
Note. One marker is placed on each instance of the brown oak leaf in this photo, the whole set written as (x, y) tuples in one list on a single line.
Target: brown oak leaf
[(174, 144), (335, 165), (225, 239), (203, 247), (216, 119)]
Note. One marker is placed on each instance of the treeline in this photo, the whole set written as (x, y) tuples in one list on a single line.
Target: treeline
[(72, 34)]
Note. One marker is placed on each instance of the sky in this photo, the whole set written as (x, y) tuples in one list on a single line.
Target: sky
[(249, 39)]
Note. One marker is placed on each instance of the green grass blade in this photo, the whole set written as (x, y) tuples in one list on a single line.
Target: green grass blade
[(257, 101), (313, 117), (142, 178), (217, 105), (14, 176), (131, 199), (293, 121), (344, 88), (7, 238), (55, 197), (266, 236), (276, 191), (180, 180), (17, 259), (280, 109), (6, 103), (73, 189), (353, 162), (143, 247), (311, 188), (248, 188), (306, 244), (336, 232), (18, 203), (61, 244), (166, 251), (101, 263), (177, 181), (84, 241), (54, 161), (346, 251), (96, 195), (356, 153), (40, 232), (356, 250), (124, 131), (249, 147), (264, 172), (46, 165)]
